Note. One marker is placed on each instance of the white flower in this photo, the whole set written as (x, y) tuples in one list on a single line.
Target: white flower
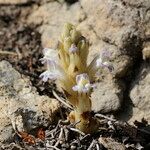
[(73, 48), (49, 75), (83, 84), (53, 72), (49, 55)]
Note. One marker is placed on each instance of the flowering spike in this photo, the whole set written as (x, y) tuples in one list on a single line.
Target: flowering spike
[(74, 75)]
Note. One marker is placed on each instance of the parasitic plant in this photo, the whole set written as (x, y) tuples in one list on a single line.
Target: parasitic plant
[(68, 65)]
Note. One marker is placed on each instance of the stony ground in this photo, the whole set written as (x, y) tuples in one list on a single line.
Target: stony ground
[(123, 27)]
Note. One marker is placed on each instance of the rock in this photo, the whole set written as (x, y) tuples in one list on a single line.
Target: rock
[(110, 144), (139, 3), (107, 97), (54, 15), (19, 97), (20, 2), (14, 1), (146, 51), (147, 23), (140, 94), (113, 22), (117, 26)]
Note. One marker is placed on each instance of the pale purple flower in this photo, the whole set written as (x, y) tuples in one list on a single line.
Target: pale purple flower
[(83, 84), (103, 60), (53, 72), (73, 48), (48, 75)]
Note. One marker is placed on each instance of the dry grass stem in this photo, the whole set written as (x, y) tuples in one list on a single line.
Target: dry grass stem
[(8, 53), (61, 100)]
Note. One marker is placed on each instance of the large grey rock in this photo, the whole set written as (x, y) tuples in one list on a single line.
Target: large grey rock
[(19, 98), (107, 97), (53, 16), (113, 21), (140, 94), (118, 25)]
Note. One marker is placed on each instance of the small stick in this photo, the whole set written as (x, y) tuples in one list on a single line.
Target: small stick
[(61, 114), (91, 145), (110, 125), (60, 137), (84, 137), (77, 130), (103, 116), (7, 53), (54, 147), (19, 54), (97, 147), (56, 128), (60, 99), (73, 124)]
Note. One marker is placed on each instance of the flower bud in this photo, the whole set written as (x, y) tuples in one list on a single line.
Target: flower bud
[(75, 35), (66, 31), (83, 46), (73, 48), (67, 44)]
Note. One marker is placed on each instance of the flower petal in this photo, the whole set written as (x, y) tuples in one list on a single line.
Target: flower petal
[(73, 48), (48, 75), (75, 88), (99, 62), (109, 66), (83, 83), (49, 54)]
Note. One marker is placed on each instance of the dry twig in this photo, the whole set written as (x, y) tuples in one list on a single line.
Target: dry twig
[(60, 137), (53, 147), (61, 100), (77, 130), (103, 116), (8, 53), (91, 145)]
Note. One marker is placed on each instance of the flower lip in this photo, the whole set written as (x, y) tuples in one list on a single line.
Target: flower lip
[(103, 60), (48, 75), (49, 55), (51, 74), (73, 48), (83, 84)]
